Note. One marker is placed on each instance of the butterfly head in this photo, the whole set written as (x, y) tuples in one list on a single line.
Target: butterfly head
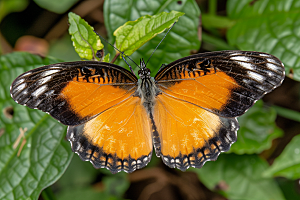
[(144, 72)]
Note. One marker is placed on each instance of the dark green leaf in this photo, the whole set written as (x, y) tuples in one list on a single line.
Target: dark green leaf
[(85, 40), (11, 6), (257, 130), (56, 6), (179, 42), (42, 155), (288, 163), (239, 177), (268, 26), (289, 188), (133, 34), (63, 49), (116, 185)]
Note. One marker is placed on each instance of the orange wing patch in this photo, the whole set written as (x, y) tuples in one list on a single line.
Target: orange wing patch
[(190, 135), (118, 139), (90, 99), (212, 91)]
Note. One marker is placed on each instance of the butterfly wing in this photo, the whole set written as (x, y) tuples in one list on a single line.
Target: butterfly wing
[(74, 92), (200, 97), (226, 83), (118, 139), (189, 134)]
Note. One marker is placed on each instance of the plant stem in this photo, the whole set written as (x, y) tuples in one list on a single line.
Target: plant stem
[(212, 7), (115, 58)]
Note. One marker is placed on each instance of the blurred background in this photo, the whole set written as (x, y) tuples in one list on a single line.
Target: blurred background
[(41, 27)]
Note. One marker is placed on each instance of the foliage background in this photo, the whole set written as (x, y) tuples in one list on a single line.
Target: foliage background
[(263, 164)]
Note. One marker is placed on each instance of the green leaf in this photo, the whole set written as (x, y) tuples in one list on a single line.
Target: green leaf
[(42, 155), (133, 34), (85, 40), (289, 188), (182, 39), (80, 193), (257, 130), (7, 7), (116, 185), (287, 164), (106, 58), (239, 177), (268, 26), (56, 6), (63, 49)]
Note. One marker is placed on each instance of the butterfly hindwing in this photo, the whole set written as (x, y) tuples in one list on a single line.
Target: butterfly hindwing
[(226, 82), (191, 135), (118, 139), (74, 92)]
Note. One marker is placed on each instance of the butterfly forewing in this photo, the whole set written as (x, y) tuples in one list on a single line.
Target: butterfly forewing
[(74, 92), (226, 82)]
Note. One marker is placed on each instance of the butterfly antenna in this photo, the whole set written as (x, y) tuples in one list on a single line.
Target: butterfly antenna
[(120, 52), (160, 42)]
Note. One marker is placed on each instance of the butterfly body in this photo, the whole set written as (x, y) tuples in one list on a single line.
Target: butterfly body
[(187, 112)]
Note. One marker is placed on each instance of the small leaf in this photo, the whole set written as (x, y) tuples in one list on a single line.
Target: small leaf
[(85, 40), (268, 26), (239, 177), (257, 130), (287, 164), (106, 58), (133, 34), (36, 160)]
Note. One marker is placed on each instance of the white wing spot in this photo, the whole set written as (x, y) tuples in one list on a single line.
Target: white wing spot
[(44, 80), (19, 81), (241, 58), (246, 65), (263, 55), (39, 91), (271, 66), (49, 72), (21, 87), (256, 76)]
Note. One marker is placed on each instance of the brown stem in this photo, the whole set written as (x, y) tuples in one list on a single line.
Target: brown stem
[(115, 58)]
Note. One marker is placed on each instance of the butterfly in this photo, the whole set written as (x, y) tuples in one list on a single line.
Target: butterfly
[(187, 112)]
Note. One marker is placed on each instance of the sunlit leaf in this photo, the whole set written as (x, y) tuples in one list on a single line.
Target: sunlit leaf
[(133, 34), (85, 40)]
